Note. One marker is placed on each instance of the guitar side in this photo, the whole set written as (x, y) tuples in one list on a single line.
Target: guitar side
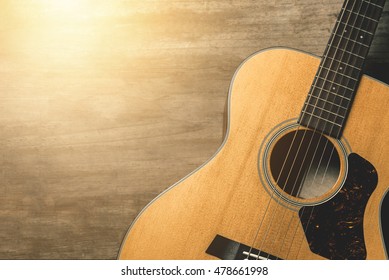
[(226, 197)]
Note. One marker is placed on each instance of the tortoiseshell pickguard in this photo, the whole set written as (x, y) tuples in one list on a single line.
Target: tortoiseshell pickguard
[(334, 229)]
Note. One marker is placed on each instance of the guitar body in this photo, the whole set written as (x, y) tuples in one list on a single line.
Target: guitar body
[(231, 196)]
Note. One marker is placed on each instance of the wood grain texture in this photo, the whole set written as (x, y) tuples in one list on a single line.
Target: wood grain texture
[(105, 104)]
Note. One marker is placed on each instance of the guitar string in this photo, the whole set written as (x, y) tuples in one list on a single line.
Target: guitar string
[(306, 229), (338, 111), (268, 204), (353, 44), (295, 233), (326, 124), (310, 142), (267, 231), (307, 171), (277, 181), (354, 88), (332, 83), (333, 148), (338, 134), (270, 200), (308, 148), (368, 47)]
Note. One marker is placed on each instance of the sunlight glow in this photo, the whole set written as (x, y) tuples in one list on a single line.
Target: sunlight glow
[(67, 8), (67, 33)]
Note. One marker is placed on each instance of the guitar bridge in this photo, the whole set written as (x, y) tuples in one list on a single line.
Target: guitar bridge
[(227, 249)]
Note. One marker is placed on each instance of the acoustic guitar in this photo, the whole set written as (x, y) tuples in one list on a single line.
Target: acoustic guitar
[(303, 168)]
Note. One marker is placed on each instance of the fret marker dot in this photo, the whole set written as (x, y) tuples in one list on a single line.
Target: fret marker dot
[(361, 37), (345, 31), (333, 88), (340, 68)]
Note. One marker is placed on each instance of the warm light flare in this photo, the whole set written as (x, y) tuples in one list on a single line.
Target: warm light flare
[(66, 6), (64, 33)]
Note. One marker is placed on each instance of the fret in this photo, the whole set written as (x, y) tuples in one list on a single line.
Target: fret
[(354, 20), (353, 27), (319, 124), (323, 102), (334, 94), (323, 119), (326, 95), (351, 5), (364, 8), (361, 32), (361, 15), (369, 18), (338, 39), (357, 34), (327, 86), (347, 64), (340, 49), (381, 7), (339, 74), (370, 10), (352, 61), (330, 119), (356, 45), (312, 108), (334, 83), (339, 70), (369, 2), (337, 79), (340, 67)]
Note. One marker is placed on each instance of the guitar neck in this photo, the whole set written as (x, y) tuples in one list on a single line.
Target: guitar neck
[(330, 98)]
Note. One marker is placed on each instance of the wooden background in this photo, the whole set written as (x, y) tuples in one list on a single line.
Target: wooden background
[(104, 104)]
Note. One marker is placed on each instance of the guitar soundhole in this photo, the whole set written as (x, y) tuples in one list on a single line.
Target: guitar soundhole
[(304, 164)]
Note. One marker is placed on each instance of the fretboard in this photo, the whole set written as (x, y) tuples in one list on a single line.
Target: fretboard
[(330, 97)]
